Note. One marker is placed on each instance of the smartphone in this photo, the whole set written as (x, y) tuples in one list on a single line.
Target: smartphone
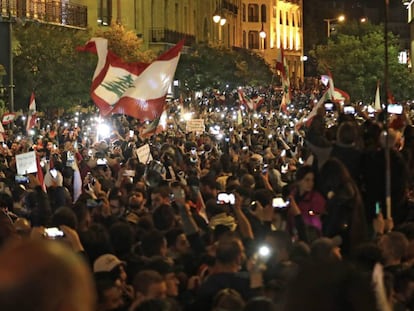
[(377, 208), (20, 179), (101, 161), (395, 108), (53, 172), (264, 251), (226, 198), (278, 202), (54, 233), (349, 110), (131, 133), (70, 159), (329, 106)]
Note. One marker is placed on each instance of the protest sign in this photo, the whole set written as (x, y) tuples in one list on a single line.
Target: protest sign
[(26, 163)]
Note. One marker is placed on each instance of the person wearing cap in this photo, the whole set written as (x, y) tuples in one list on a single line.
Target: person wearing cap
[(110, 266)]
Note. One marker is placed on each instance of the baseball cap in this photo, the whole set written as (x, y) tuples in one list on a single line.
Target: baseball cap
[(106, 263)]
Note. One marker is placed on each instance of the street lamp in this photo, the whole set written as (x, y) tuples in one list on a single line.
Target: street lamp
[(262, 35), (340, 18), (219, 18)]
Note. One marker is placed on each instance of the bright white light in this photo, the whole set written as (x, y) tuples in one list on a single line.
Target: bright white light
[(103, 130), (23, 118), (77, 113), (219, 136), (264, 251), (31, 132), (163, 120), (65, 124), (187, 116)]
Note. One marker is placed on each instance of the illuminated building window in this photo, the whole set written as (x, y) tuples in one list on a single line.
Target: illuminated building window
[(254, 40), (253, 13), (104, 12), (244, 12)]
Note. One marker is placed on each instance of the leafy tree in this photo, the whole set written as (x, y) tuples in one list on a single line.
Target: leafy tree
[(45, 61), (125, 43), (208, 67), (355, 57)]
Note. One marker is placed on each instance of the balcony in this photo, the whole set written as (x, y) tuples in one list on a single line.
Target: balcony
[(164, 35), (293, 1), (230, 7), (54, 12)]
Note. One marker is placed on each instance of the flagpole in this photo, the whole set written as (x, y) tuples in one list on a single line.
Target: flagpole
[(386, 129)]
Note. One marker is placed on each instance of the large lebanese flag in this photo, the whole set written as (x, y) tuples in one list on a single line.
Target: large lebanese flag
[(135, 89)]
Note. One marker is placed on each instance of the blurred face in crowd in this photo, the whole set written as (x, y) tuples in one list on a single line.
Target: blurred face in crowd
[(182, 245), (307, 183), (171, 282), (157, 200), (112, 299), (137, 200), (157, 291)]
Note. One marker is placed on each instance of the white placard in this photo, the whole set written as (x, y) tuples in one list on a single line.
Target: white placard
[(26, 163), (144, 154), (195, 125)]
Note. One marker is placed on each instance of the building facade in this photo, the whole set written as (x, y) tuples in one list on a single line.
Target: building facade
[(264, 26), (237, 23)]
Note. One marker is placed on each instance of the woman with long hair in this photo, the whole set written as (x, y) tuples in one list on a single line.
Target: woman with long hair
[(344, 206)]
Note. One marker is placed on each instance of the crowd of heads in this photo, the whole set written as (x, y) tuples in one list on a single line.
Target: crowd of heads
[(253, 212)]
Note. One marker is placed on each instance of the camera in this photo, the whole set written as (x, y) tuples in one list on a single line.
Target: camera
[(226, 198), (53, 233)]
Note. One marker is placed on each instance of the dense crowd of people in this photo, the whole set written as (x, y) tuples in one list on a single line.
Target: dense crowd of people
[(254, 212)]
